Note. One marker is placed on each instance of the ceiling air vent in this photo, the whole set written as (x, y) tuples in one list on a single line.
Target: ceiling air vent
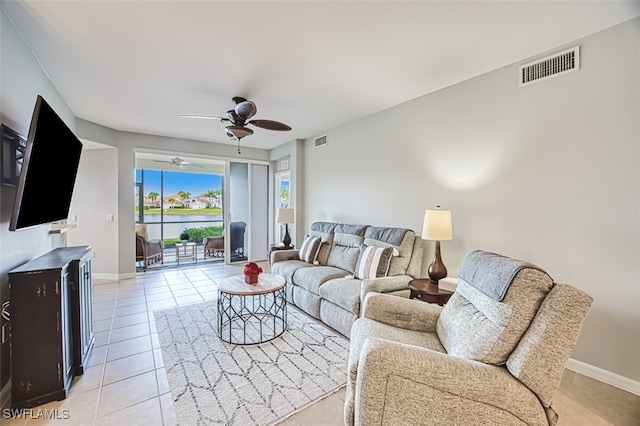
[(551, 66), (320, 141)]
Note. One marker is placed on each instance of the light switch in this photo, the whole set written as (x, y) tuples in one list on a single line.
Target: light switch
[(109, 218)]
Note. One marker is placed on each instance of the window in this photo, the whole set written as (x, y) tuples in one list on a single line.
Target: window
[(283, 198)]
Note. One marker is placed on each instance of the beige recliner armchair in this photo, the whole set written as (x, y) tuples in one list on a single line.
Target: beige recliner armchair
[(494, 354)]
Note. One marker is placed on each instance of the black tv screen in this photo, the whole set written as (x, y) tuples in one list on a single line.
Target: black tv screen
[(49, 170)]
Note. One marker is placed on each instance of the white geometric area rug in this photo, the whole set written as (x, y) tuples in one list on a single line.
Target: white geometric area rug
[(216, 383)]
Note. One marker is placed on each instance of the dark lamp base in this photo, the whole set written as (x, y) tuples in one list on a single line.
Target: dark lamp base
[(286, 241), (437, 270)]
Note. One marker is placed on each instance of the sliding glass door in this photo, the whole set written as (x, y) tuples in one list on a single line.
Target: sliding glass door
[(189, 198)]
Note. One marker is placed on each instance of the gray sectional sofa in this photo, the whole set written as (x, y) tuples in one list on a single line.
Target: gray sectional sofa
[(326, 287)]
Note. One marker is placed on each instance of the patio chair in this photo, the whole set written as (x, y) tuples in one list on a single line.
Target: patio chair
[(149, 252), (213, 246)]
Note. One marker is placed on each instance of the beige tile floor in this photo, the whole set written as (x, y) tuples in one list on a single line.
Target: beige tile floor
[(125, 382)]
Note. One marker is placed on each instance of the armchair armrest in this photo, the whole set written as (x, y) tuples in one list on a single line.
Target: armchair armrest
[(403, 313), (404, 384), (384, 285)]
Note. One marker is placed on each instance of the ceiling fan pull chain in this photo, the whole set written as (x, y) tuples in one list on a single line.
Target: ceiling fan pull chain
[(238, 139)]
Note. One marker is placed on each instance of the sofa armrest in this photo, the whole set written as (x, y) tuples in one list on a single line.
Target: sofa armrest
[(384, 285), (282, 255), (403, 313), (443, 389)]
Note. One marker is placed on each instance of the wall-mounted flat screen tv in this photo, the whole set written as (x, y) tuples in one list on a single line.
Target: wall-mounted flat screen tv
[(49, 170)]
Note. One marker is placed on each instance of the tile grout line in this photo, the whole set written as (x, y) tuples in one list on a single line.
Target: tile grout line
[(167, 278), (104, 361)]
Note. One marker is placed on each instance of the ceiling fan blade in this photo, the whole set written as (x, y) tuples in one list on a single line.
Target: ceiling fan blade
[(187, 163), (204, 117), (270, 125), (161, 161)]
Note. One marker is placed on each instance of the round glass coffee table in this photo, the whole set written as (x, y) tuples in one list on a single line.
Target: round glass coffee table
[(249, 314)]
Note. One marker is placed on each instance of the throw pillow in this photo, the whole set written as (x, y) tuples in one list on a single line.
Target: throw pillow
[(309, 248), (373, 262)]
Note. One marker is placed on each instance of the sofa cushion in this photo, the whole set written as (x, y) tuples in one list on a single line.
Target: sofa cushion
[(391, 236), (347, 240), (309, 249), (286, 268), (373, 262), (474, 326), (324, 230), (399, 238), (312, 278), (344, 292)]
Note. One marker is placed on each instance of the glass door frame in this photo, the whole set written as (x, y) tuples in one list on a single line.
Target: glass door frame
[(253, 210)]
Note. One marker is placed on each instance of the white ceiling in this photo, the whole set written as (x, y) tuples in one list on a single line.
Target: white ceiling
[(136, 65)]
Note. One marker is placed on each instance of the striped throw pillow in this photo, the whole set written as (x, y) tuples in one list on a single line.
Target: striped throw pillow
[(373, 262), (309, 249)]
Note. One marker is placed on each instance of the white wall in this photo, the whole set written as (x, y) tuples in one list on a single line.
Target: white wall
[(546, 173), (94, 197), (21, 81)]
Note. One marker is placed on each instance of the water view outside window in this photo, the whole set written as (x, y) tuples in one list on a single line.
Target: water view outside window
[(179, 205)]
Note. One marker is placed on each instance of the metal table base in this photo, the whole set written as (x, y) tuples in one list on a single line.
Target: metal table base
[(249, 319)]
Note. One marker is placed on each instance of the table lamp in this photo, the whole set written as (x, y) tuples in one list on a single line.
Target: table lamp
[(437, 227), (285, 216)]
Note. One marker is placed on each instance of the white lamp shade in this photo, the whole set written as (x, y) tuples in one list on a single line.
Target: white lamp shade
[(437, 225), (284, 216)]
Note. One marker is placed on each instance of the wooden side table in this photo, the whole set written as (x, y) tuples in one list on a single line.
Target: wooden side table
[(424, 289), (280, 246)]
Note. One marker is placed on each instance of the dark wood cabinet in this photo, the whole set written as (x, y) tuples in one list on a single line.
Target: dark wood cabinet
[(80, 307), (51, 333)]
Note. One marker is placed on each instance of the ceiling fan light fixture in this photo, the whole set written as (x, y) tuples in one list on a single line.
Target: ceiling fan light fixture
[(246, 109), (238, 132)]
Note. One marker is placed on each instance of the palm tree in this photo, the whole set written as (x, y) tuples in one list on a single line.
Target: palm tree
[(153, 196), (210, 194), (184, 196), (217, 194)]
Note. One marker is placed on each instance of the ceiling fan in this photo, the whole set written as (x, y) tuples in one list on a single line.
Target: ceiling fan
[(179, 162), (239, 117)]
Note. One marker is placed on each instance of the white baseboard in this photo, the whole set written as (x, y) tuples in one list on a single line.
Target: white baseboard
[(112, 277), (604, 376)]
